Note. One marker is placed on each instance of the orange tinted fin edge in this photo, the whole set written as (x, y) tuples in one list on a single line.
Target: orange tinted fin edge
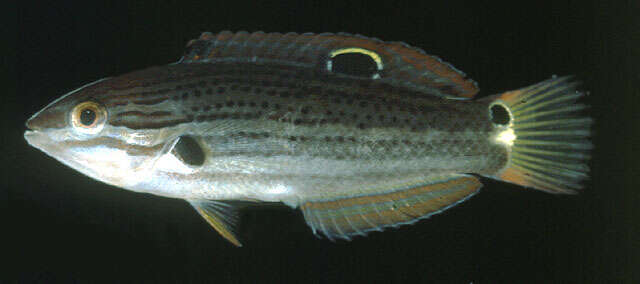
[(221, 216), (549, 133), (351, 216), (398, 63)]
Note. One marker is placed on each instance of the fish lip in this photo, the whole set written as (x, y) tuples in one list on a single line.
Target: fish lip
[(31, 136)]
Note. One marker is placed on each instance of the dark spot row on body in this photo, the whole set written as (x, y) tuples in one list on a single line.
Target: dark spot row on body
[(351, 139), (362, 100), (298, 138), (282, 77), (216, 116), (194, 85), (339, 139), (249, 134)]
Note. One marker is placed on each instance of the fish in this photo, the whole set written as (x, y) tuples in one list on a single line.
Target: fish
[(358, 133)]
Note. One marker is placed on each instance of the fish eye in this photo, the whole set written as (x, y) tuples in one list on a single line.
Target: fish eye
[(88, 117), (355, 61)]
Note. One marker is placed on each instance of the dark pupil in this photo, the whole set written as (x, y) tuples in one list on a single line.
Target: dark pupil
[(87, 116)]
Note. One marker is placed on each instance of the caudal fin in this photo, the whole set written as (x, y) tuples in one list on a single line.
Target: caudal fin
[(551, 145)]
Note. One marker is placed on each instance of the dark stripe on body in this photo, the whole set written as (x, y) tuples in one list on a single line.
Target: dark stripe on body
[(268, 75), (354, 102)]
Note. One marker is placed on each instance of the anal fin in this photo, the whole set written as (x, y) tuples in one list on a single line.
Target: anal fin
[(357, 215), (222, 216)]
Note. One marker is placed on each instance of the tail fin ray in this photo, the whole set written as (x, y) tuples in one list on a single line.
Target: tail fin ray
[(551, 147)]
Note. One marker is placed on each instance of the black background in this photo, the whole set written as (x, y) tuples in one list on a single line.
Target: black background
[(63, 226)]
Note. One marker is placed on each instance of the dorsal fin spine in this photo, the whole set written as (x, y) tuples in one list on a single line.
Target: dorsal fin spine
[(404, 65)]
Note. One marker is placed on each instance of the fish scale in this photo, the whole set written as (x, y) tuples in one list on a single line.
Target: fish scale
[(358, 133)]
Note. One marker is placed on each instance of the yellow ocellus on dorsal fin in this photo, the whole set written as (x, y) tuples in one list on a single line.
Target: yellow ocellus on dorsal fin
[(398, 64)]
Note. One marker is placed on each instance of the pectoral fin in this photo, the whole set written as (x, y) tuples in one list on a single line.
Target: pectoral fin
[(221, 216), (357, 215)]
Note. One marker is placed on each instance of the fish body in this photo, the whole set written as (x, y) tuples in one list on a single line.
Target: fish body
[(358, 133)]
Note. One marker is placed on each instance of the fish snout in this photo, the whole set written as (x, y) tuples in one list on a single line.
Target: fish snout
[(47, 118), (34, 123)]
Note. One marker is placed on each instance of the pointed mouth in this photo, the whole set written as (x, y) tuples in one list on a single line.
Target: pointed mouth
[(32, 133), (34, 138)]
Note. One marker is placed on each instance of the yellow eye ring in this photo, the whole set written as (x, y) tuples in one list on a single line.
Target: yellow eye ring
[(88, 117)]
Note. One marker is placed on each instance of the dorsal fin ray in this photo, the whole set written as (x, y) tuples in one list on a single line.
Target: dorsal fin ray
[(399, 63)]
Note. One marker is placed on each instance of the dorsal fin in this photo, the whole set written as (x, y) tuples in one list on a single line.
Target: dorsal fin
[(398, 63)]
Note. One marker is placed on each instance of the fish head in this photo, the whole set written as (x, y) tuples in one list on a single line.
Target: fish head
[(76, 130)]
